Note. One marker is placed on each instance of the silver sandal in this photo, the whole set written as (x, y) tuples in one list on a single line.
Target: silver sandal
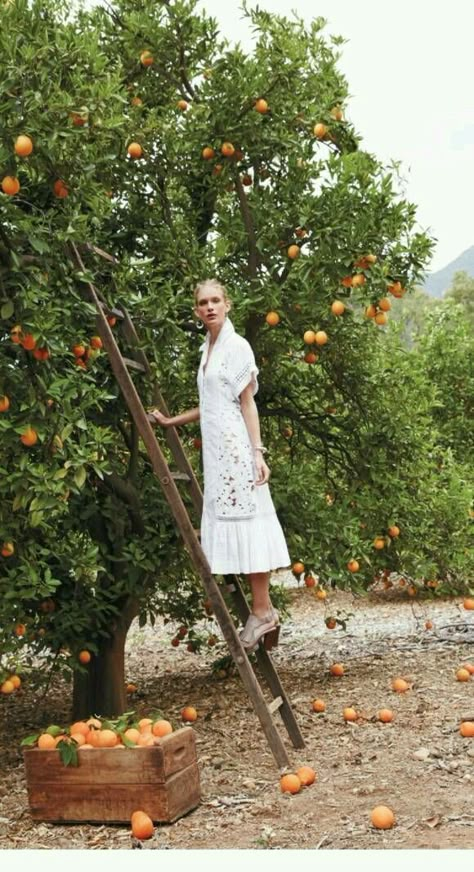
[(256, 628)]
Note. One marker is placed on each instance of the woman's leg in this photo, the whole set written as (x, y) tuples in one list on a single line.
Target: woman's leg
[(260, 586)]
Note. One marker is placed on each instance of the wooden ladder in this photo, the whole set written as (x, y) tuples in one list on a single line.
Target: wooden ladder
[(121, 366)]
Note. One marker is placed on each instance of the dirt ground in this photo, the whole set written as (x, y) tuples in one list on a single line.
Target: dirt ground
[(419, 765)]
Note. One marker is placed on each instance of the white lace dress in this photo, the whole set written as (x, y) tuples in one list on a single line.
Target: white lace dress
[(240, 531)]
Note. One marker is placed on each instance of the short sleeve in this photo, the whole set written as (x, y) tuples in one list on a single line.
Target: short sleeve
[(242, 369)]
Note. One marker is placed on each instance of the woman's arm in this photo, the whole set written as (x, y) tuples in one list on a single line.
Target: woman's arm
[(176, 420), (252, 422)]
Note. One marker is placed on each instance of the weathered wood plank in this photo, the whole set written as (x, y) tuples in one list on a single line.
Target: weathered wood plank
[(112, 802)]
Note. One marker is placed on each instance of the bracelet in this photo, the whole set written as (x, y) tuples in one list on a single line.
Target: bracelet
[(260, 448)]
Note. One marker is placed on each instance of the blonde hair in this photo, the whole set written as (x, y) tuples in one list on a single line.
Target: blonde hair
[(213, 285)]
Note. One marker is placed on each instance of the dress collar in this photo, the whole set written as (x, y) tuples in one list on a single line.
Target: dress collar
[(226, 331)]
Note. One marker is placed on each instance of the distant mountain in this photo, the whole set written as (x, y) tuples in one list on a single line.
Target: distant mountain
[(437, 283)]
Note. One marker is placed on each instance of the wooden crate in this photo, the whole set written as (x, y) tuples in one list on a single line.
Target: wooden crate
[(109, 784)]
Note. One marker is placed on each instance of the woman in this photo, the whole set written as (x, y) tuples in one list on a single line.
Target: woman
[(240, 532)]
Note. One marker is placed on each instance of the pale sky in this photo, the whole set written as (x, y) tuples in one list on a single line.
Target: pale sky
[(410, 69)]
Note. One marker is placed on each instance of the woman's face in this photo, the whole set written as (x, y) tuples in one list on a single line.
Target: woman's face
[(211, 307)]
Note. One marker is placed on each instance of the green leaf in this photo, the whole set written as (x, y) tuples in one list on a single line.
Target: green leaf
[(80, 476), (7, 310), (68, 752), (30, 740)]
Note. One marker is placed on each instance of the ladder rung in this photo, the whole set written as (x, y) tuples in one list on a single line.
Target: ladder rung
[(133, 364), (180, 476), (277, 702), (112, 311)]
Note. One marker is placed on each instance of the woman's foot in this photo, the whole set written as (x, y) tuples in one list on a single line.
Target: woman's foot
[(256, 627)]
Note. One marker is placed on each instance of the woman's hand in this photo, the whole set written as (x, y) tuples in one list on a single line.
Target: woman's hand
[(262, 470), (159, 418)]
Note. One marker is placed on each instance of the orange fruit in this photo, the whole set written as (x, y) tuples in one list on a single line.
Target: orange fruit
[(10, 185), (399, 685), (208, 153), (321, 594), (384, 304), (131, 687), (23, 145), (134, 150), (338, 307), (112, 320), (79, 727), (349, 714), (337, 669), (347, 281), (92, 737), (293, 251), (468, 604), (370, 311), (309, 581), (261, 106), (227, 149), (16, 681), (20, 629), (298, 567), (78, 350), (358, 280), (309, 336), (182, 104), (306, 775), (84, 657), (146, 740), (381, 319), (136, 101), (145, 724), (467, 729), (94, 722), (28, 342), (394, 531), (310, 357), (132, 734), (60, 189), (77, 120), (469, 667), (8, 549), (142, 825), (106, 738), (379, 543), (428, 625), (4, 403), (385, 716), (330, 623), (189, 713), (319, 705), (46, 742), (85, 747), (162, 728), (353, 565), (463, 674), (290, 783), (79, 738), (320, 130), (7, 687), (321, 337), (41, 354), (96, 342), (29, 437), (382, 817), (146, 58), (272, 318)]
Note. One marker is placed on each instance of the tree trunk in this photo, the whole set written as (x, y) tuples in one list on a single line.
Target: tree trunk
[(101, 691)]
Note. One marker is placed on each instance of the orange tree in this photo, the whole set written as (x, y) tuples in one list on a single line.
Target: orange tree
[(183, 157)]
